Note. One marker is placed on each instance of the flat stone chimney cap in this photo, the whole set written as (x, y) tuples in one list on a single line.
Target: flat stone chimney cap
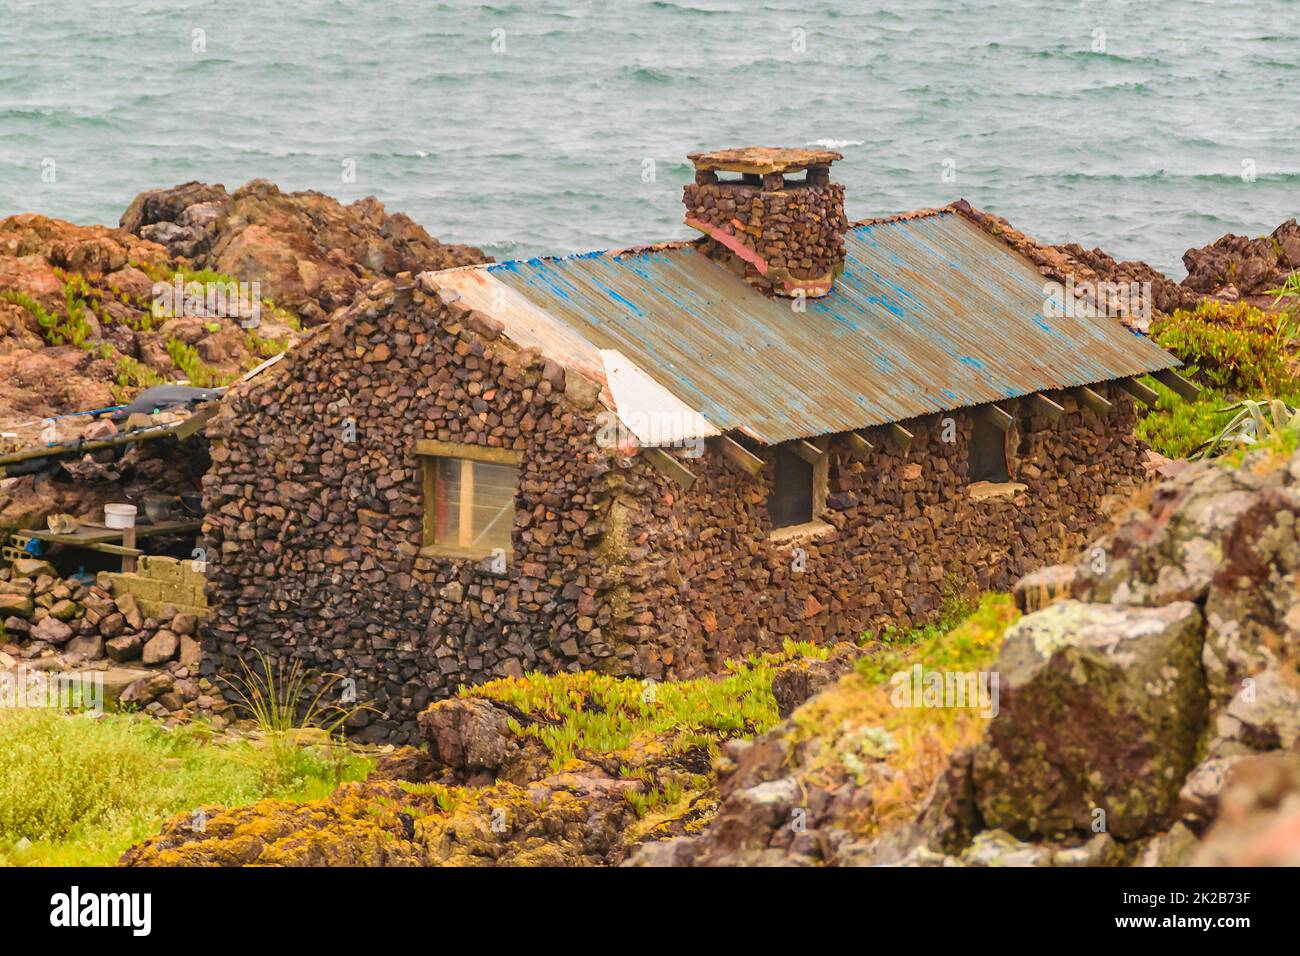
[(763, 159)]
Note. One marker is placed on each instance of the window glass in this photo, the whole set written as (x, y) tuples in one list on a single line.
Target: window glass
[(472, 506)]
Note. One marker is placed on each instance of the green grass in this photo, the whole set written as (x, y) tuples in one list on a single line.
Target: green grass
[(967, 643), (1175, 427), (597, 713), (79, 790)]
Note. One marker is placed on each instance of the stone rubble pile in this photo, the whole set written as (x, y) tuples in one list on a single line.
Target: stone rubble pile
[(62, 625)]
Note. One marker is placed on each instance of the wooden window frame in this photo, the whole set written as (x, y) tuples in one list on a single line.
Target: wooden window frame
[(814, 526), (429, 453)]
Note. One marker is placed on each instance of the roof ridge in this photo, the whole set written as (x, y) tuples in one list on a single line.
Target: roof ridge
[(904, 216)]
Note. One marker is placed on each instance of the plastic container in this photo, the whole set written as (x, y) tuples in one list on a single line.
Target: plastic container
[(158, 508), (119, 516)]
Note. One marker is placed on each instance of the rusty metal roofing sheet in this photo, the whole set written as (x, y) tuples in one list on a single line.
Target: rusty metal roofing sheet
[(931, 314)]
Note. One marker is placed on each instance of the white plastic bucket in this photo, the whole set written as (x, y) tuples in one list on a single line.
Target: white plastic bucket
[(119, 516)]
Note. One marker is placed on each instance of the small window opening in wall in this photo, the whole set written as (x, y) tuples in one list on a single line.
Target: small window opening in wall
[(988, 452), (469, 504), (791, 500)]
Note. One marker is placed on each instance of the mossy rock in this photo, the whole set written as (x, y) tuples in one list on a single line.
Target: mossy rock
[(1100, 710)]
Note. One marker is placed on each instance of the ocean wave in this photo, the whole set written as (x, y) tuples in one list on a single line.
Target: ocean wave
[(836, 144)]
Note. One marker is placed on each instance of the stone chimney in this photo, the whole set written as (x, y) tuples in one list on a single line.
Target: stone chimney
[(782, 232)]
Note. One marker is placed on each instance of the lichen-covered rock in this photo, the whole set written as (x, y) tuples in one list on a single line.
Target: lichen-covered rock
[(1264, 714), (1101, 707), (1174, 847), (1252, 609), (467, 734), (1198, 800), (572, 819), (1259, 815), (1171, 549), (353, 827)]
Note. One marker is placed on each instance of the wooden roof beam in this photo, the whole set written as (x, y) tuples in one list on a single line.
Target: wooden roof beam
[(901, 435), (1177, 384), (1147, 396), (997, 417), (737, 454), (806, 450), (1045, 406), (1093, 399), (858, 444), (670, 466)]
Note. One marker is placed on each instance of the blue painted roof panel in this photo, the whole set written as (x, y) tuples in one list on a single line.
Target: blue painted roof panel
[(930, 314)]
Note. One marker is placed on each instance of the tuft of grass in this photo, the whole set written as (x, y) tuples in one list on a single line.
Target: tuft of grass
[(200, 374), (286, 701), (282, 697), (1270, 428), (79, 789), (896, 752), (956, 607), (966, 643), (1287, 294)]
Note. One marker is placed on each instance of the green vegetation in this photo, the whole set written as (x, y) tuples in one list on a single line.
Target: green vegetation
[(967, 643), (955, 608), (68, 329), (1240, 353), (1176, 427), (264, 347), (895, 751), (160, 272), (1239, 349), (1288, 294), (132, 376), (287, 697), (199, 373), (597, 713), (80, 789), (1270, 425)]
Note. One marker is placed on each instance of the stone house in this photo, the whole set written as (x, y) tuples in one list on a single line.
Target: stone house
[(648, 461)]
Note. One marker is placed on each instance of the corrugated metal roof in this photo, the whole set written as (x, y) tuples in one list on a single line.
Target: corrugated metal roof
[(931, 314)]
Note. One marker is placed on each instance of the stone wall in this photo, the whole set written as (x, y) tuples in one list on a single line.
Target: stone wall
[(795, 230), (314, 541), (314, 538), (903, 534)]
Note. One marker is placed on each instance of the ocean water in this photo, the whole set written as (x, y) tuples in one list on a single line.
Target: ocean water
[(563, 125)]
